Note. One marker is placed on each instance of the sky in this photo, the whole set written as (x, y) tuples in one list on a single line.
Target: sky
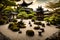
[(37, 3)]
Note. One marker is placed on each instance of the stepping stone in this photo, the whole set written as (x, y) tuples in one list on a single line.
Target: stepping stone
[(40, 33), (20, 32), (43, 25), (42, 29)]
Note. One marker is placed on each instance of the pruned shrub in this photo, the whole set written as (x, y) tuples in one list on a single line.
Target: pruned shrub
[(13, 27), (53, 22), (10, 25), (5, 17), (30, 32), (36, 28), (54, 19), (14, 20), (33, 19), (2, 22), (30, 16)]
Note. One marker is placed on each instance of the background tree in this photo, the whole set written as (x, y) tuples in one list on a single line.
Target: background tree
[(54, 18), (5, 3), (15, 0), (52, 5), (5, 7)]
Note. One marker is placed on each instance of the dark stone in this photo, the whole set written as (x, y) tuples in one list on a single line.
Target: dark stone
[(20, 32), (42, 30), (48, 24), (40, 33), (43, 25), (30, 33)]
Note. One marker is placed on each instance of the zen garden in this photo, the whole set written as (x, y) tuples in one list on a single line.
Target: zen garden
[(19, 22)]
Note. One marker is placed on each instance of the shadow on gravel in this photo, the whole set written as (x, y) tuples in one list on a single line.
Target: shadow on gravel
[(3, 37)]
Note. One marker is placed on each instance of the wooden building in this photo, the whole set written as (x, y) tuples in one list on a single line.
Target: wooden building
[(40, 13)]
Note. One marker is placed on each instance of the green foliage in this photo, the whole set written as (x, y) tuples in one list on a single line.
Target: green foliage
[(20, 9), (5, 13), (34, 18), (13, 27), (30, 33), (14, 20), (5, 18), (10, 25), (1, 5), (7, 2), (24, 15), (2, 22), (46, 19), (8, 9), (54, 19), (5, 8), (30, 16), (16, 26)]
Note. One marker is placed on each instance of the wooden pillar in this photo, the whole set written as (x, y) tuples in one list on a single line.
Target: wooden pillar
[(13, 16)]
